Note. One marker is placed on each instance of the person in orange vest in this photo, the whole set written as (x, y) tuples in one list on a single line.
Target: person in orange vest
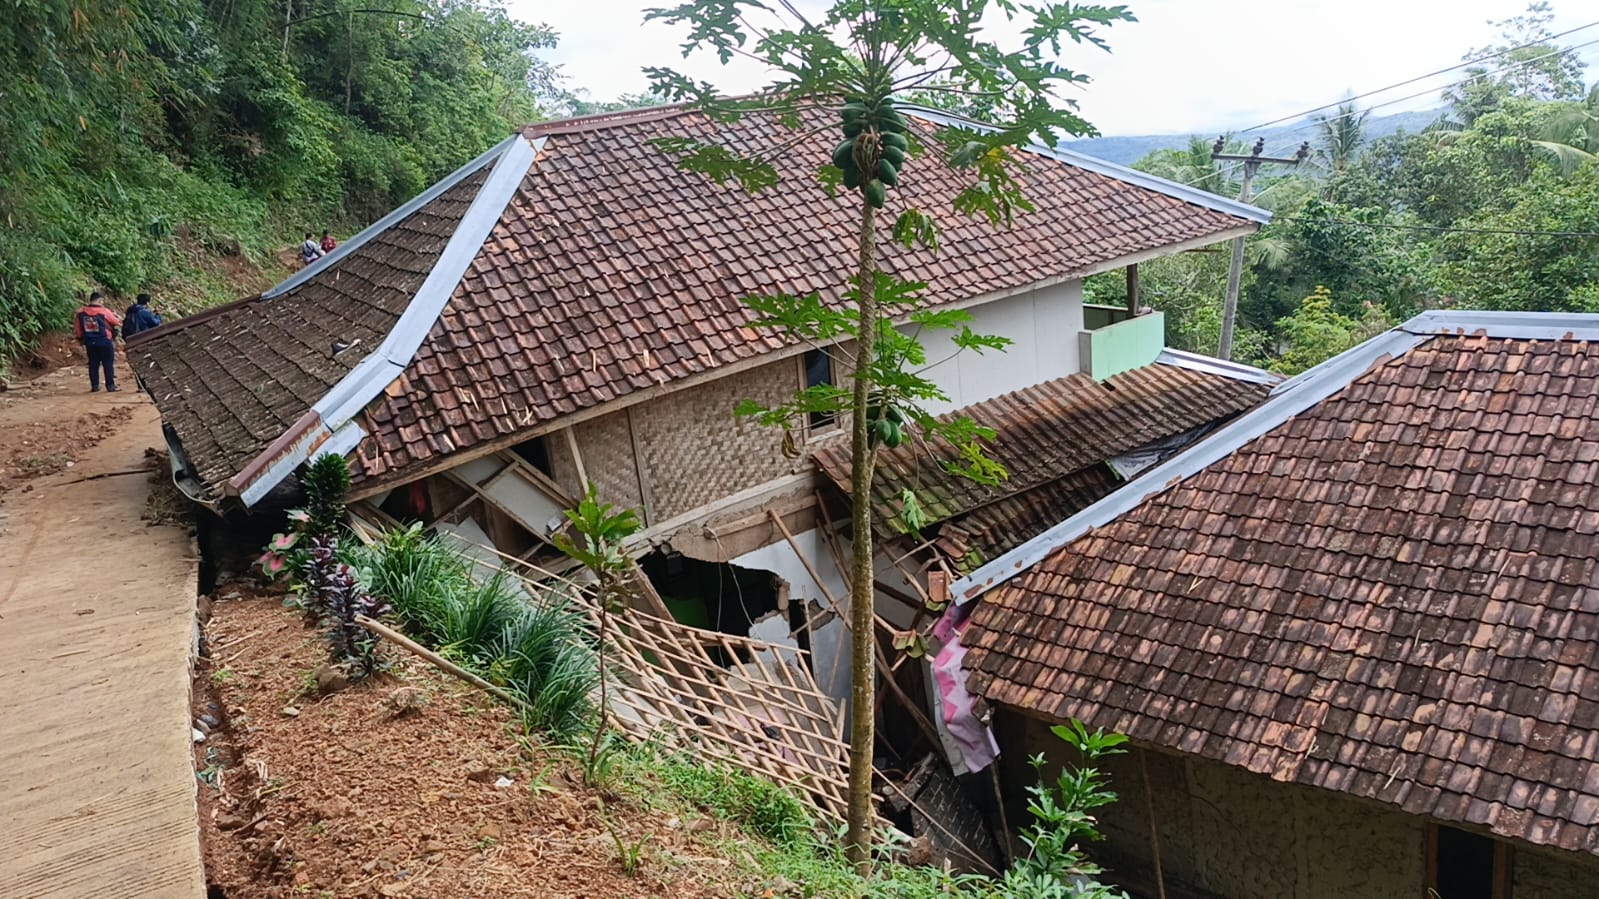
[(96, 326)]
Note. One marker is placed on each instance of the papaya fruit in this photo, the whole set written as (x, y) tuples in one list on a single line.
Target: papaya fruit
[(897, 141), (876, 193), (891, 121), (887, 173), (844, 153)]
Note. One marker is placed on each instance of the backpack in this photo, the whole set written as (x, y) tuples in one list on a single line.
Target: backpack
[(130, 322), (95, 328)]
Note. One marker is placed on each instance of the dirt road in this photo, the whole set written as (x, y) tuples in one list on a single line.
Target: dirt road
[(97, 796)]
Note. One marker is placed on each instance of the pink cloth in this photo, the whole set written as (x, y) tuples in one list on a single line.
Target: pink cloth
[(970, 744)]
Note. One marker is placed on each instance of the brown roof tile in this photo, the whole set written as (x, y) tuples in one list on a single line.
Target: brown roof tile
[(232, 380), (1046, 432), (1391, 594), (613, 272)]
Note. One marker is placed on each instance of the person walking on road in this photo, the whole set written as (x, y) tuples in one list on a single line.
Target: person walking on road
[(139, 317), (96, 326)]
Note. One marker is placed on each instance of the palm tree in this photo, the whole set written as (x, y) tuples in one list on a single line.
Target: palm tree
[(1340, 136), (1571, 134), (1192, 165)]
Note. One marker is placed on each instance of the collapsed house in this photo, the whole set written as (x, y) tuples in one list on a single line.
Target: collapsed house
[(566, 309), (1353, 636)]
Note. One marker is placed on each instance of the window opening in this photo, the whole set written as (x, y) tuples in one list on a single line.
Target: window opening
[(1465, 865), (818, 371), (536, 452)]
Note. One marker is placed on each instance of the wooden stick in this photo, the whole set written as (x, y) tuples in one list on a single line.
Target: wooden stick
[(941, 828), (439, 662), (1154, 832), (1005, 844)]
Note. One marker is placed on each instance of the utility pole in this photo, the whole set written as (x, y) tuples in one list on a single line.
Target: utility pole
[(1235, 272)]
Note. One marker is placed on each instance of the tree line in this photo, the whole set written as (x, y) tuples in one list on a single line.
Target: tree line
[(1494, 206), (143, 140)]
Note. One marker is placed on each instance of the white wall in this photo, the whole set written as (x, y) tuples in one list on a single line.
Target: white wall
[(1043, 325)]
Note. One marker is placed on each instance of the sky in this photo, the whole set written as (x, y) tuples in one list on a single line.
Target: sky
[(1185, 65)]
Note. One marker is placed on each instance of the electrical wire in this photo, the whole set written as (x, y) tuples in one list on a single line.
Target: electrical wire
[(1227, 170), (1438, 229), (1524, 63), (1458, 65)]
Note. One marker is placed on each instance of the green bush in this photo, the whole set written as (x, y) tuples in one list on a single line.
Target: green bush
[(542, 653), (545, 657), (418, 575)]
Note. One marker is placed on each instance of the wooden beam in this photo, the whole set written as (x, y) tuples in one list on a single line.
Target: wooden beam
[(577, 459), (1132, 289), (638, 470)]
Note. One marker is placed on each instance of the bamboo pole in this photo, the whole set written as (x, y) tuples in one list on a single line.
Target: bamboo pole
[(401, 640)]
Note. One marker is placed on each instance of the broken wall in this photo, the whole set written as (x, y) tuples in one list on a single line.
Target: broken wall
[(830, 640)]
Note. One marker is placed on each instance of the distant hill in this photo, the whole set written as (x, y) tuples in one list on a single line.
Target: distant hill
[(1282, 139)]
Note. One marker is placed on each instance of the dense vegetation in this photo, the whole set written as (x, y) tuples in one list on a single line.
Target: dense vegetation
[(143, 141), (1494, 206)]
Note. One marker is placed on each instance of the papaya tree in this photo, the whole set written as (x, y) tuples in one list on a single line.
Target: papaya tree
[(850, 69)]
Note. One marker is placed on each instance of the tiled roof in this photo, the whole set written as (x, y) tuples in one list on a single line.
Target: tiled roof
[(232, 380), (971, 539), (608, 272), (612, 272), (1392, 593), (1047, 431)]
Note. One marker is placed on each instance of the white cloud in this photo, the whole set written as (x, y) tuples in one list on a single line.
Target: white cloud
[(1184, 66)]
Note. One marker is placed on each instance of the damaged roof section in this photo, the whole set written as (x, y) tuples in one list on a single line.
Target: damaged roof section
[(1389, 591), (1053, 440), (588, 270), (613, 272), (232, 380)]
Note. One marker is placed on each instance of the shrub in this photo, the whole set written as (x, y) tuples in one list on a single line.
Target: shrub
[(333, 597), (545, 657), (326, 480), (418, 575), (476, 616)]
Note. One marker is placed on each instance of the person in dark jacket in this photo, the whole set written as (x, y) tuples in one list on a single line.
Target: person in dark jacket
[(139, 317), (96, 326)]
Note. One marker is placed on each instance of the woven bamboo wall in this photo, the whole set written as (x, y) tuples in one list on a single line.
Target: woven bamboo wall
[(695, 451), (607, 447)]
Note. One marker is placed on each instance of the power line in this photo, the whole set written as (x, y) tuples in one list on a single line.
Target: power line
[(1423, 93), (1438, 229), (1486, 56), (1522, 64)]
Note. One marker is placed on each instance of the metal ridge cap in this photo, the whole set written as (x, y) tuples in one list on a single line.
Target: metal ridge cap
[(1278, 407), (1506, 324), (1224, 368), (1099, 166), (334, 411), (324, 263), (1345, 366)]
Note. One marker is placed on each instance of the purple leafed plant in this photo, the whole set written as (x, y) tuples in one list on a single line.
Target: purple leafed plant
[(332, 595)]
